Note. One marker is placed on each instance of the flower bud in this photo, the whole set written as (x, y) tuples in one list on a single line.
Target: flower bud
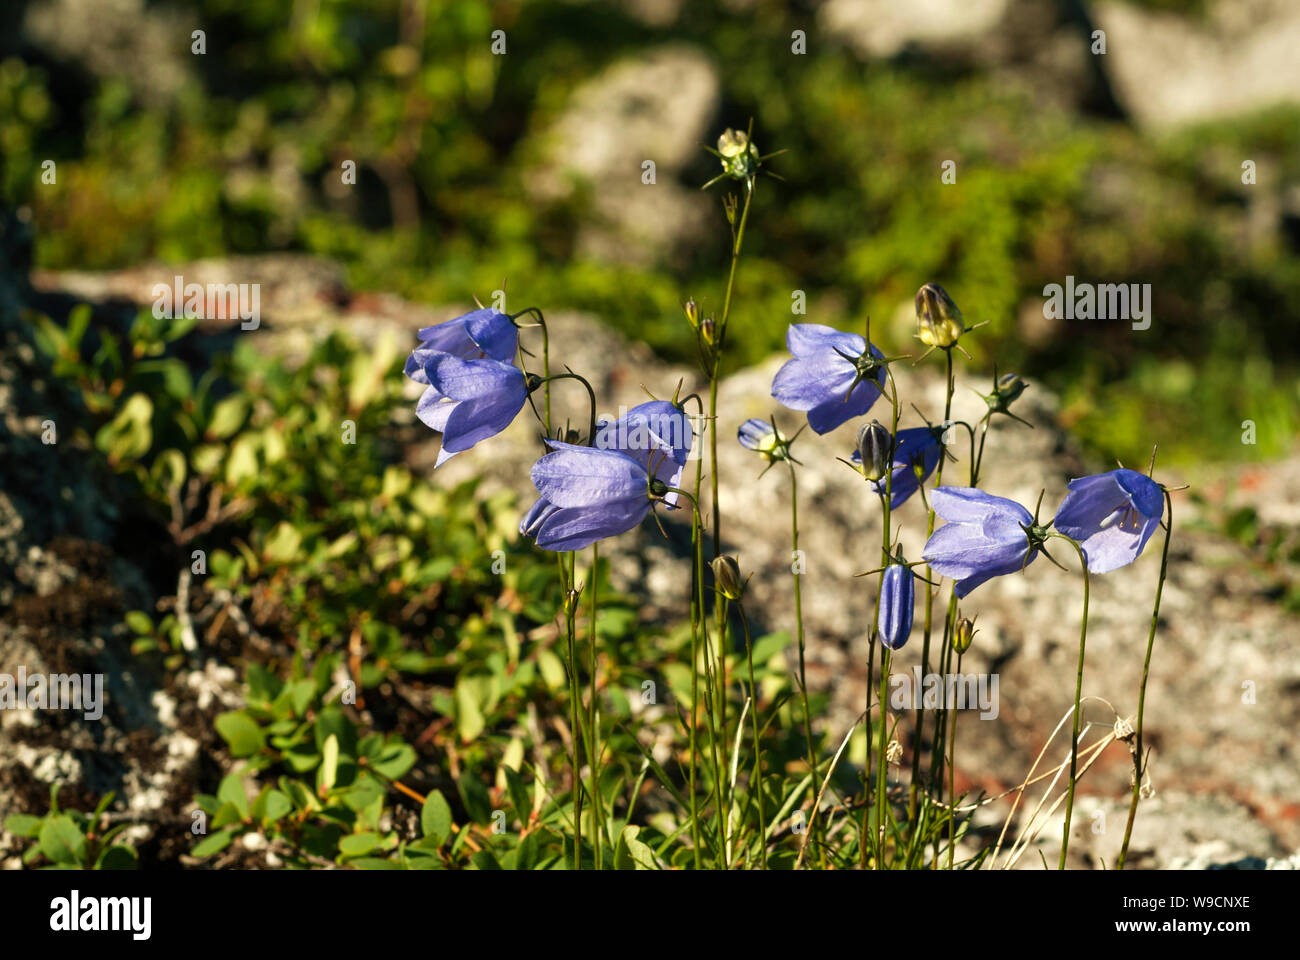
[(738, 153), (875, 448), (708, 329), (1005, 392), (897, 599), (732, 143), (1010, 387), (692, 313), (726, 577), (963, 635), (938, 321)]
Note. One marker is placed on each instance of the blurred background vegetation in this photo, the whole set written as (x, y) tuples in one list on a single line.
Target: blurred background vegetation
[(165, 155)]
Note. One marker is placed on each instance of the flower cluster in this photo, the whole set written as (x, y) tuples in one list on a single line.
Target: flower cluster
[(473, 391)]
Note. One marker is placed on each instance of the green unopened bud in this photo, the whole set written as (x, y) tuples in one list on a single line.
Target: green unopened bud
[(708, 329), (692, 313), (938, 321), (1008, 388), (726, 577), (738, 153), (963, 635), (875, 447)]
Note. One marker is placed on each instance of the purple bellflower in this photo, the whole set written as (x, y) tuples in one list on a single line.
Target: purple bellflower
[(469, 400), (833, 376), (985, 537), (480, 334), (1111, 515), (897, 594), (586, 495), (916, 446), (655, 436)]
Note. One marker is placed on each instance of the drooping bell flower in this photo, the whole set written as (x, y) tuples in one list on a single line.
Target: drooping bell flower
[(587, 495), (469, 400), (485, 333), (985, 537), (918, 449), (897, 596), (834, 376), (1112, 515), (657, 435)]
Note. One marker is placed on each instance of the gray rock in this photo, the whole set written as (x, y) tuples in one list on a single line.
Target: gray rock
[(657, 107), (1170, 70)]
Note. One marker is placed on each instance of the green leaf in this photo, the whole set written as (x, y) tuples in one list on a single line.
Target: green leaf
[(241, 732), (469, 718), (212, 844), (129, 435), (242, 463), (23, 824), (632, 854), (435, 818), (552, 669), (329, 764), (139, 623), (117, 857), (61, 841), (357, 844), (78, 321), (231, 790), (478, 804), (228, 416)]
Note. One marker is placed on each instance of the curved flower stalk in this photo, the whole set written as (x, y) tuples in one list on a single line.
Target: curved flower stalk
[(985, 537), (834, 376), (1112, 515)]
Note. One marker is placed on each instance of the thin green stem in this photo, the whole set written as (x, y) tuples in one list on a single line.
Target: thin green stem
[(952, 781), (882, 758), (757, 786), (570, 604), (929, 604), (796, 562), (1078, 696), (1139, 762), (697, 617), (593, 724)]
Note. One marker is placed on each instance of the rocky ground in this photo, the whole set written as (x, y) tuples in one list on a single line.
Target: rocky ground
[(1222, 706)]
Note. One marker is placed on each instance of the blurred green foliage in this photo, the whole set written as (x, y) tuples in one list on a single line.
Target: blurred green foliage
[(244, 157)]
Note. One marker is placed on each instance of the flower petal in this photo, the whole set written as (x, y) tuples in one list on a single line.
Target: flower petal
[(802, 339), (584, 476), (575, 528), (966, 585), (970, 504), (811, 381)]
